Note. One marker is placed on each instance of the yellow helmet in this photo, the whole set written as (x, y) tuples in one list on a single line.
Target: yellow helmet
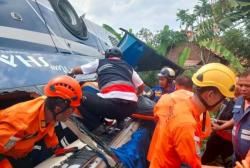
[(216, 75)]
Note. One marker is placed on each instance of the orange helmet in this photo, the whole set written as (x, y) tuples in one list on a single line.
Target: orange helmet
[(64, 87)]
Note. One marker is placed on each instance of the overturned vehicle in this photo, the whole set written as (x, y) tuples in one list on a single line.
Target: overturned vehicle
[(40, 39)]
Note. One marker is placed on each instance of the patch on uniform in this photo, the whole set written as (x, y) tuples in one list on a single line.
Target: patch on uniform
[(43, 124), (11, 143), (197, 145), (158, 93), (245, 134), (29, 136), (237, 107)]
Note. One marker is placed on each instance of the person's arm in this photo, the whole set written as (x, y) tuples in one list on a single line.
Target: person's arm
[(88, 68), (75, 71), (220, 121), (138, 83), (140, 89), (226, 125), (51, 141), (186, 147), (8, 139)]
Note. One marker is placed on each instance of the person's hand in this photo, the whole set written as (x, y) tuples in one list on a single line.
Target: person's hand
[(63, 151), (221, 121), (71, 73), (216, 127), (243, 164)]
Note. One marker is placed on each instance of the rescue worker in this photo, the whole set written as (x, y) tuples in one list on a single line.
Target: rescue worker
[(241, 118), (24, 124), (166, 83), (177, 141), (119, 86), (220, 142), (184, 82)]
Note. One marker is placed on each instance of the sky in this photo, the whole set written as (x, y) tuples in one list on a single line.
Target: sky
[(134, 14)]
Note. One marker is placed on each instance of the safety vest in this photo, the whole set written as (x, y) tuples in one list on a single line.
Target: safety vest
[(241, 129), (175, 112), (115, 75)]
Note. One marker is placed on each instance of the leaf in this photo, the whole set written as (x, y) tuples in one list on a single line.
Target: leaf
[(217, 48), (111, 30), (184, 56)]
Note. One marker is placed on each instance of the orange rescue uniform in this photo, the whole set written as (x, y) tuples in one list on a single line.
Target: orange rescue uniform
[(22, 125), (176, 139)]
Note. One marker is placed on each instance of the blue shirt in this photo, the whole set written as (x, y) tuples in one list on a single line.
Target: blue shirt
[(241, 129), (159, 91)]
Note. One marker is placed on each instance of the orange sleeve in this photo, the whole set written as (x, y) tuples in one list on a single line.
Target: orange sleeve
[(7, 138), (186, 147), (208, 128), (162, 106), (51, 141), (5, 164)]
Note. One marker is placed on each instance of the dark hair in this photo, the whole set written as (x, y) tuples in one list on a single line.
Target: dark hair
[(245, 73), (184, 81)]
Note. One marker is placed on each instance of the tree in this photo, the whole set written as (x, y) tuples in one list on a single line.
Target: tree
[(112, 31), (215, 28), (185, 19), (147, 36), (163, 40), (167, 38)]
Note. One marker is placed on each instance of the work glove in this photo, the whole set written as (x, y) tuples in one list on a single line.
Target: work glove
[(63, 151)]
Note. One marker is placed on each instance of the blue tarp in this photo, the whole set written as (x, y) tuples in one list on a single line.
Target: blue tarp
[(133, 154), (142, 57)]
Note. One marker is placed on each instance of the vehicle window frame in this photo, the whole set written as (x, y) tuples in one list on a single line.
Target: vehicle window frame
[(79, 30)]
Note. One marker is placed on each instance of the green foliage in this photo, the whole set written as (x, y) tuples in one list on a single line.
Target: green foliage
[(222, 27), (167, 38), (184, 56), (237, 41), (147, 36), (217, 48), (185, 18), (205, 26), (149, 77), (163, 40), (111, 30), (190, 71)]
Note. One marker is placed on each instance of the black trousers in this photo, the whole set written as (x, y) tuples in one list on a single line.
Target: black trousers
[(94, 109), (217, 146)]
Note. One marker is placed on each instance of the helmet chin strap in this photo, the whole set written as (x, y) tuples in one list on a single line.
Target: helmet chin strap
[(57, 113), (51, 106), (208, 107)]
